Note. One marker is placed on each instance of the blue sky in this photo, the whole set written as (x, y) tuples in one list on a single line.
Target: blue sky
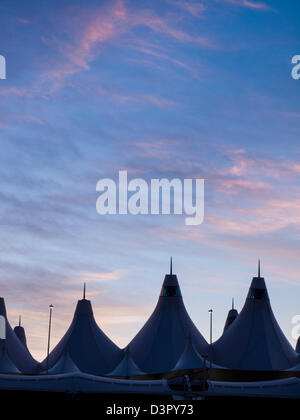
[(163, 89)]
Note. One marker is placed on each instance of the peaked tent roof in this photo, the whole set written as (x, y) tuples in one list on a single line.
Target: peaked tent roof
[(127, 367), (255, 341), (64, 364), (14, 348), (160, 343), (20, 333), (190, 358), (6, 365), (89, 348), (232, 315)]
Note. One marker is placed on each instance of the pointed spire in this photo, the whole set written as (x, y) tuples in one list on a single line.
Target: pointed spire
[(258, 268), (84, 286), (170, 287), (232, 314), (19, 320)]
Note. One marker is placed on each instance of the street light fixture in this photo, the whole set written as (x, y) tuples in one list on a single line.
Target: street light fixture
[(49, 333), (210, 338)]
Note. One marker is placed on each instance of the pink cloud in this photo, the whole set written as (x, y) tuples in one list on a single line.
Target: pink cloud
[(255, 5), (194, 8), (160, 102), (164, 26), (234, 186), (14, 91), (244, 165), (103, 26), (23, 21), (159, 149), (122, 97), (96, 277), (156, 52), (268, 216), (246, 3)]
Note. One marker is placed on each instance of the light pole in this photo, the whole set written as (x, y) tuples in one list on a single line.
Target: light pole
[(49, 333), (210, 338), (210, 325)]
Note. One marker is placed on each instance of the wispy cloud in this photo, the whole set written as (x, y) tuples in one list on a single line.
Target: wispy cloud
[(156, 52), (255, 5), (96, 277), (195, 8), (104, 26)]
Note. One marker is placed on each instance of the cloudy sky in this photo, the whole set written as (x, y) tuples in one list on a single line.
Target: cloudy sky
[(161, 88)]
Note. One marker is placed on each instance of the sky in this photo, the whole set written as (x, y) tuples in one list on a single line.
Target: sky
[(162, 89)]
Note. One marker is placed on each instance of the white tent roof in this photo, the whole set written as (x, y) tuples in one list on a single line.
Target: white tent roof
[(127, 367), (254, 341), (190, 358), (20, 333), (15, 350), (160, 343), (89, 348), (64, 364), (232, 315), (6, 365)]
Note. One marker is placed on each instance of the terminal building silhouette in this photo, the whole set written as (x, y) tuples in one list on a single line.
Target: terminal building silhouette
[(168, 344)]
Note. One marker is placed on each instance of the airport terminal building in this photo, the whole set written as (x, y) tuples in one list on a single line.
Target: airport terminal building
[(168, 357)]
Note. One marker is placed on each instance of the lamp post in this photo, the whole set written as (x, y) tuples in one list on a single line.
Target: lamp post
[(210, 338), (210, 325), (49, 333)]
